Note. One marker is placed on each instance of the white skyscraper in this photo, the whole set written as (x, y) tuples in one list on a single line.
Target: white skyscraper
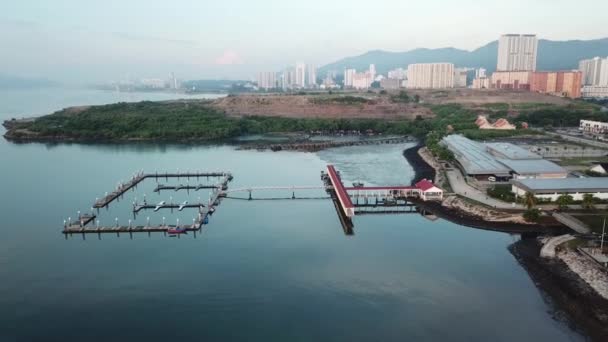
[(288, 78), (372, 71), (595, 71), (349, 75), (300, 75), (267, 80), (430, 75), (312, 76), (517, 52)]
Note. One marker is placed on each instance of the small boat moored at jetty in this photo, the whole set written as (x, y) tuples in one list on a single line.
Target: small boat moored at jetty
[(177, 230)]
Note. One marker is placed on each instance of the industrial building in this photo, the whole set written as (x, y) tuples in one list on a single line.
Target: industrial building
[(474, 160), (534, 168), (552, 188), (510, 151), (502, 161)]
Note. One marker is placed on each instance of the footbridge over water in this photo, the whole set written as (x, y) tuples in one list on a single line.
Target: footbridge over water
[(348, 201)]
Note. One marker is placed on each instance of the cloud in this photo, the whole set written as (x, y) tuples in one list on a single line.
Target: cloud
[(229, 57)]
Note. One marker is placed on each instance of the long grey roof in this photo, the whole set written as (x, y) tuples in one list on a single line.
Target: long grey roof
[(564, 185), (473, 156), (511, 151), (526, 167)]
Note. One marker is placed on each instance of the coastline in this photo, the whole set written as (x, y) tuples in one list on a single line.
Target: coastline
[(422, 169), (573, 299)]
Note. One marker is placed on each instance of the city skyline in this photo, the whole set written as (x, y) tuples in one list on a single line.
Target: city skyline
[(219, 41)]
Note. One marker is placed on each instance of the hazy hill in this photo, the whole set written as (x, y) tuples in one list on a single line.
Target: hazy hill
[(552, 55)]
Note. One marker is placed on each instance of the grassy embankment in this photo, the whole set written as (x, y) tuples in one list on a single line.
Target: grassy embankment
[(181, 121)]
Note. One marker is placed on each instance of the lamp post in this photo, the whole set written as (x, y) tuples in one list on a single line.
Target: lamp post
[(603, 233)]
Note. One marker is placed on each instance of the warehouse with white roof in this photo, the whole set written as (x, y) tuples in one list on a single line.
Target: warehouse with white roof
[(552, 188), (502, 161)]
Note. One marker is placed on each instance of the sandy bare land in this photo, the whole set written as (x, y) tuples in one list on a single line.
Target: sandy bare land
[(378, 106), (306, 106), (484, 96)]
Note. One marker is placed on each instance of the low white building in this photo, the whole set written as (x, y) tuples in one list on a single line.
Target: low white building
[(594, 127), (428, 191), (594, 92), (553, 188)]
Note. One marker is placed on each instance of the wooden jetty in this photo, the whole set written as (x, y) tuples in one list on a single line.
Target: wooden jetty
[(84, 223), (139, 207), (139, 177), (198, 187)]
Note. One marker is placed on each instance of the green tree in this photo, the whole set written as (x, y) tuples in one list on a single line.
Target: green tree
[(563, 201), (588, 201), (532, 215), (529, 200)]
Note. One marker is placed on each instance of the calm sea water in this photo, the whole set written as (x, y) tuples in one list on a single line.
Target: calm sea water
[(260, 271)]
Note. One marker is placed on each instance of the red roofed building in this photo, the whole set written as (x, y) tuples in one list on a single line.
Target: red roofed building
[(428, 191)]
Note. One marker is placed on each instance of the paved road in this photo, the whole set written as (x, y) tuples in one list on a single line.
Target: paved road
[(460, 187)]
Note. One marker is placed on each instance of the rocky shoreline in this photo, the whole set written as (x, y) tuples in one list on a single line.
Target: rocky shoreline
[(573, 299), (422, 169)]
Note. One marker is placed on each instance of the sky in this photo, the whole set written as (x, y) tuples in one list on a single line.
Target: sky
[(80, 41)]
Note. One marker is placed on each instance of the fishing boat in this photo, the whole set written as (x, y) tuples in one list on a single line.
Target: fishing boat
[(177, 230)]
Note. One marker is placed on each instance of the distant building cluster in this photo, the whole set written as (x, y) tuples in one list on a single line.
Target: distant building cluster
[(359, 80), (148, 84), (301, 76), (515, 70)]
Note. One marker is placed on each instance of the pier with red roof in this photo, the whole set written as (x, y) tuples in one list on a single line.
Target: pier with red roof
[(385, 195)]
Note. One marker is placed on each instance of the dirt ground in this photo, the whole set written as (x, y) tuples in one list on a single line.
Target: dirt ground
[(474, 97), (305, 106), (378, 106)]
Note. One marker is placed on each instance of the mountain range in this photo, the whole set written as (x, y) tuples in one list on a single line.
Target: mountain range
[(552, 55)]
